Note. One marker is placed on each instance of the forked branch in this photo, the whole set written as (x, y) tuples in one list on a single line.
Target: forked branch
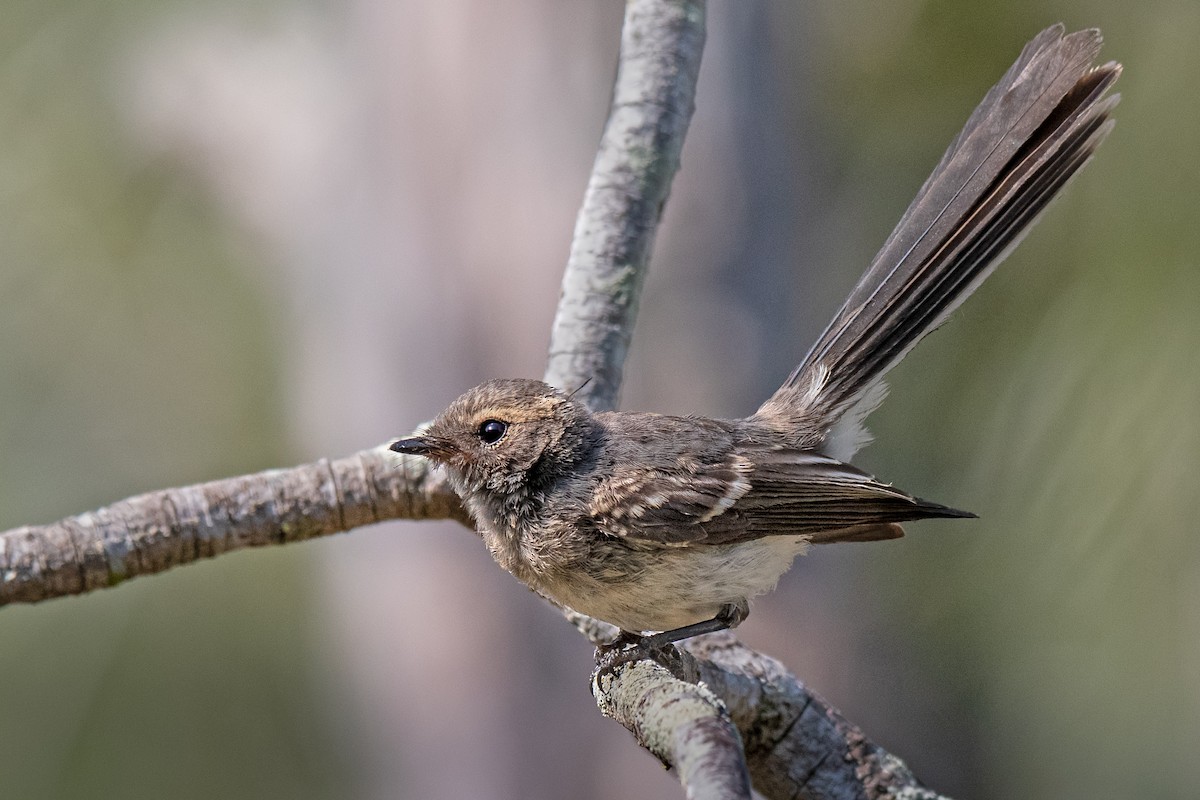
[(693, 709)]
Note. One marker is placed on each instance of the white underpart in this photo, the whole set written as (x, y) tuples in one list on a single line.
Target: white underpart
[(849, 434), (816, 385), (679, 586)]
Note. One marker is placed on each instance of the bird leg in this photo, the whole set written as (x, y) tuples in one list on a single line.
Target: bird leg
[(630, 647), (730, 615)]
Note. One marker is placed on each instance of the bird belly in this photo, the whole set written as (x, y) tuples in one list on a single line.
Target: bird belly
[(663, 587)]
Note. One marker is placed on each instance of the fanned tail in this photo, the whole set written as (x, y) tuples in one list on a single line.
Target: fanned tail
[(1033, 130)]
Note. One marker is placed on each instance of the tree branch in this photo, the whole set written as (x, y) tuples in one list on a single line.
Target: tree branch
[(662, 41), (797, 745), (801, 746), (153, 532), (679, 720), (685, 707), (653, 99)]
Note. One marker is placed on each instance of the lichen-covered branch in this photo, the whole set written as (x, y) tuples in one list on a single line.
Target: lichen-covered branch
[(683, 708), (661, 45), (718, 712), (678, 720), (681, 704), (653, 99), (153, 532), (797, 745)]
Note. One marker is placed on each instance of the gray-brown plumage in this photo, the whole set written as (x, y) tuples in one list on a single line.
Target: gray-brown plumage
[(663, 523)]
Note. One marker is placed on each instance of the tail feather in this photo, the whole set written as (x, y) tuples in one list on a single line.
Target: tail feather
[(1033, 130)]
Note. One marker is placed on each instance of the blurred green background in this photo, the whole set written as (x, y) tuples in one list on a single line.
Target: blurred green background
[(242, 236)]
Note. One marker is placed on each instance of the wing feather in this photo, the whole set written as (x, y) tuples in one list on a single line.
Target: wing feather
[(752, 493)]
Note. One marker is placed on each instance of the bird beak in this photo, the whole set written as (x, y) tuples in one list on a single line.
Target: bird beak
[(413, 446)]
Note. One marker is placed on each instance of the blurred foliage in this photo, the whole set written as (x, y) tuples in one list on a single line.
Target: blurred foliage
[(1049, 650), (135, 353), (1060, 404)]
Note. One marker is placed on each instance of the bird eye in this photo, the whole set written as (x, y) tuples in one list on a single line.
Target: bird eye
[(492, 431)]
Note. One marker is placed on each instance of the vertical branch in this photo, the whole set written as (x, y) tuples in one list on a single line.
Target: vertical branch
[(680, 721), (684, 709), (667, 700), (653, 99)]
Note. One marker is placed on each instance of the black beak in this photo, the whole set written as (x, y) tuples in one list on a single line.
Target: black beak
[(413, 446)]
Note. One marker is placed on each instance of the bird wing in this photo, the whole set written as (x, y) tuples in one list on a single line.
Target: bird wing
[(687, 500), (803, 491), (745, 495)]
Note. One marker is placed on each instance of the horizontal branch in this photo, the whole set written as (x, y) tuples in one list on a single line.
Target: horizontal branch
[(694, 713), (153, 532)]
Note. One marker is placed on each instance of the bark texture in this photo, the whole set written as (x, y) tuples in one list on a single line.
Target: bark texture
[(653, 100), (153, 532), (796, 744), (680, 721), (717, 712)]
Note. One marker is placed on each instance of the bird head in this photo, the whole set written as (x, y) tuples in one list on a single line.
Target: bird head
[(493, 436)]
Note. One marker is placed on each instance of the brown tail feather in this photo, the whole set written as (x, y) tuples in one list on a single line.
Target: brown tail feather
[(1033, 130)]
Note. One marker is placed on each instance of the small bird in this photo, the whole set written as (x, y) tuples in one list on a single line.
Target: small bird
[(670, 524)]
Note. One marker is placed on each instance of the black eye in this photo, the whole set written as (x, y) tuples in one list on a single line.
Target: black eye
[(492, 431)]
